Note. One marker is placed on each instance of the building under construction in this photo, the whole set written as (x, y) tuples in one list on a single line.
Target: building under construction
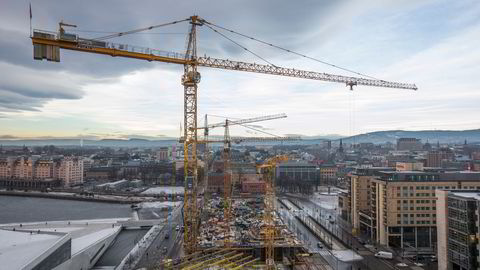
[(241, 242)]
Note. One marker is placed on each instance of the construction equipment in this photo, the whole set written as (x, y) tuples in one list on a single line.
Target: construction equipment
[(227, 173), (47, 44), (206, 128), (207, 158), (226, 157), (268, 168), (227, 141)]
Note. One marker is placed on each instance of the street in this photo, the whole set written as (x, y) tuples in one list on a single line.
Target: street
[(174, 244), (327, 217)]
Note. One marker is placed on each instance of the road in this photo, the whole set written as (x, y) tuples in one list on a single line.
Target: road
[(120, 247), (154, 254), (308, 239), (327, 217)]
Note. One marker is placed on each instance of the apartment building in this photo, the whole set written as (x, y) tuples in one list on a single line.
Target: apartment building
[(458, 229), (71, 171), (36, 171), (398, 208), (22, 168), (45, 169), (6, 168)]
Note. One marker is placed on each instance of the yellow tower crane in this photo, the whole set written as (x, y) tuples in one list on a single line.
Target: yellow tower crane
[(47, 45)]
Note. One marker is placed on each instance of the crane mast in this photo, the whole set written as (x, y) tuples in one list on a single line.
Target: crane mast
[(190, 79)]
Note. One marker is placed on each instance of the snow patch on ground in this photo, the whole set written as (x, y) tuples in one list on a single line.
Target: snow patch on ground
[(325, 200), (346, 255), (159, 204), (164, 190)]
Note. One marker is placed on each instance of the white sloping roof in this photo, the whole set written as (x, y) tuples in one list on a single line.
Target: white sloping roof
[(80, 243), (17, 249)]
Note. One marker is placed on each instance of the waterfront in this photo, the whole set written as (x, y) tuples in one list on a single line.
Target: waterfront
[(30, 209)]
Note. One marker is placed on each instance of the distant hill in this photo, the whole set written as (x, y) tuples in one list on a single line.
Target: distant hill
[(432, 136), (443, 136), (90, 143)]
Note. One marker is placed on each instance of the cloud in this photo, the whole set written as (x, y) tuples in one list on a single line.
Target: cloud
[(421, 38), (20, 94), (8, 137), (90, 136)]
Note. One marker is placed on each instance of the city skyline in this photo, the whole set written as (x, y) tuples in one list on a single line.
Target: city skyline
[(430, 43)]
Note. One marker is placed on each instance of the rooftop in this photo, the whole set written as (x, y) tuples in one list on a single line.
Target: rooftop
[(24, 244), (296, 164), (17, 249), (422, 176), (467, 194)]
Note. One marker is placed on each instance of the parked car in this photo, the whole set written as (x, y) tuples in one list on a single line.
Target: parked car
[(319, 245), (384, 255)]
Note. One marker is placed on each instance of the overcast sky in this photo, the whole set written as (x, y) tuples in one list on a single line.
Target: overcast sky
[(432, 43)]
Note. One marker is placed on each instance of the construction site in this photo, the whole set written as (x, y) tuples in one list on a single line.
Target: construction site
[(222, 230)]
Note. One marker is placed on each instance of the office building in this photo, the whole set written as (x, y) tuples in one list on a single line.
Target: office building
[(297, 171), (436, 158), (163, 153), (398, 208), (458, 229)]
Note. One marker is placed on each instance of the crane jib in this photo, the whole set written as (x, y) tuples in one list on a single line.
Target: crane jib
[(45, 43)]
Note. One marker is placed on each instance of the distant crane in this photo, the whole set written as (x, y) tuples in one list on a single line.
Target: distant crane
[(47, 46), (227, 141)]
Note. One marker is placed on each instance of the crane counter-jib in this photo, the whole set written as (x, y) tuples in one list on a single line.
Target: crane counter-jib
[(50, 41), (112, 49)]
